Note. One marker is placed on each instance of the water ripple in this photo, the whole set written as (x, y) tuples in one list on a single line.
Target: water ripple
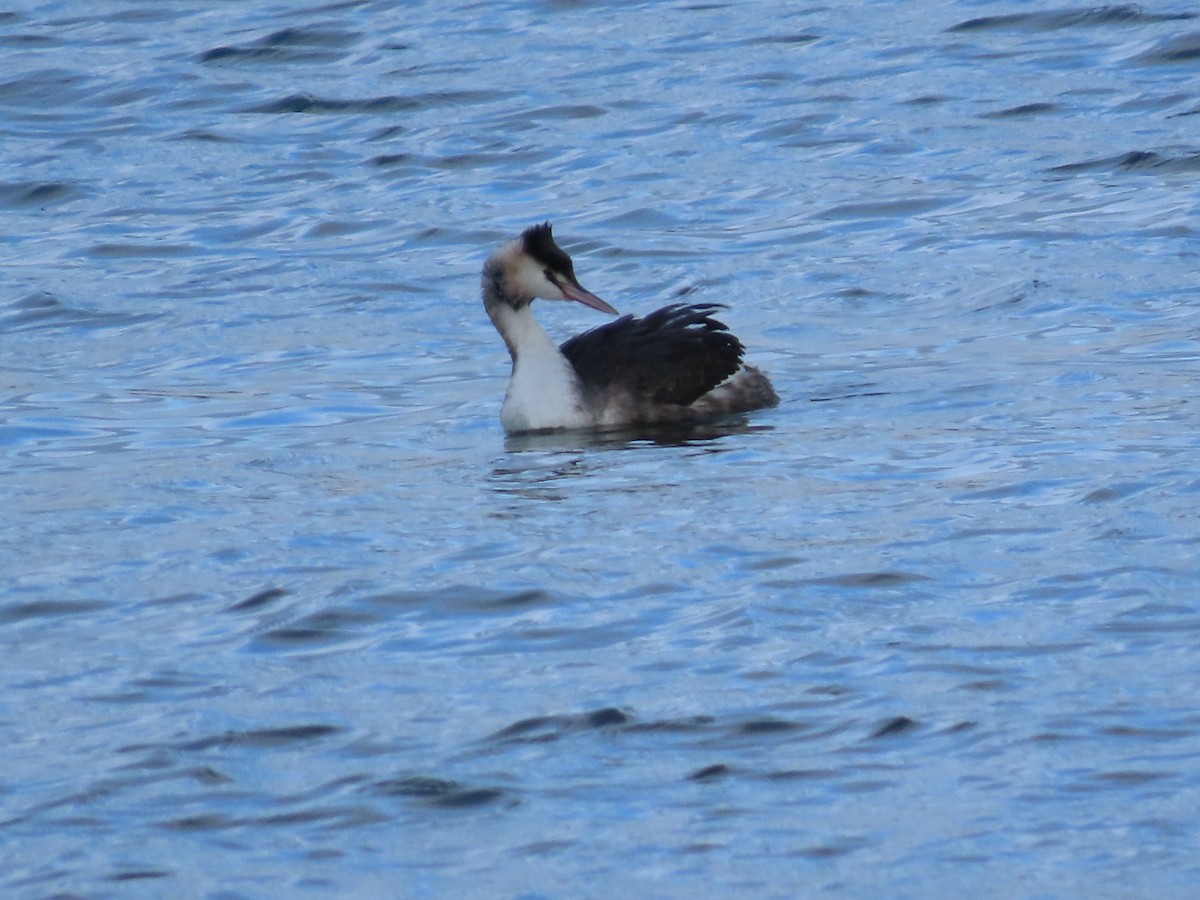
[(283, 605), (1083, 17)]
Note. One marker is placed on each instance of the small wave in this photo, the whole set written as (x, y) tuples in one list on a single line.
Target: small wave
[(43, 609), (1022, 111), (285, 46), (882, 579), (139, 875), (440, 791), (43, 89), (263, 598), (204, 134), (1182, 48), (711, 773), (886, 209), (792, 39), (550, 728), (388, 103), (140, 251), (258, 738), (1054, 19), (1135, 161), (44, 310), (18, 194), (455, 161), (894, 726)]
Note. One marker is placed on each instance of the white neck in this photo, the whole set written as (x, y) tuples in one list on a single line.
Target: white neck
[(544, 390)]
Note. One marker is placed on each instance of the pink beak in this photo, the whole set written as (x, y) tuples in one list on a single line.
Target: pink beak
[(580, 294)]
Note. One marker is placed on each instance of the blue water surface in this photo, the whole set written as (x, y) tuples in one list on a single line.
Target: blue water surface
[(284, 614)]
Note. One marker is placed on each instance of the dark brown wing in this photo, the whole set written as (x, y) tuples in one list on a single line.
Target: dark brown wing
[(675, 355)]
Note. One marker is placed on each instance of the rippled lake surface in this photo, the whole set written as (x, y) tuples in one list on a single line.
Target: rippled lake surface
[(284, 614)]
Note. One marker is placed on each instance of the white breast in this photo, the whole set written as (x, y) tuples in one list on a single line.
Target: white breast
[(544, 391), (542, 394)]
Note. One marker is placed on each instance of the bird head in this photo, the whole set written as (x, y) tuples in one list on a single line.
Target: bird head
[(538, 267)]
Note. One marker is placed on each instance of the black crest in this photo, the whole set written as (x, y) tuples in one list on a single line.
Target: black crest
[(538, 243)]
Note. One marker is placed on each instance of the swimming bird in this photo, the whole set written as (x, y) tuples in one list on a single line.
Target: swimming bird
[(675, 366)]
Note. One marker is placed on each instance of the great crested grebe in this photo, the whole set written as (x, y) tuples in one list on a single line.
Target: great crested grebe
[(672, 366)]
